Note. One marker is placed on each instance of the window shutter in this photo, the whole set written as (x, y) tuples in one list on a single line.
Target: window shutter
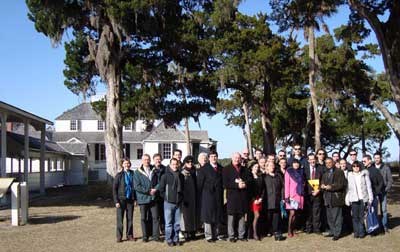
[(96, 152), (174, 147), (128, 151), (79, 125), (160, 149)]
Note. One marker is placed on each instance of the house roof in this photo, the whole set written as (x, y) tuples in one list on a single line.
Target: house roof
[(161, 133), (16, 144), (15, 114), (97, 137), (74, 148), (83, 111)]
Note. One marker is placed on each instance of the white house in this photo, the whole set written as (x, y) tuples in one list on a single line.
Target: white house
[(80, 131)]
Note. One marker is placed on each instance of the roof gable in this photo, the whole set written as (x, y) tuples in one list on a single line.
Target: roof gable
[(162, 133), (83, 111)]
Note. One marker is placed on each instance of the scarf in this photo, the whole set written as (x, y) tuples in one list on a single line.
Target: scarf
[(128, 185), (177, 182)]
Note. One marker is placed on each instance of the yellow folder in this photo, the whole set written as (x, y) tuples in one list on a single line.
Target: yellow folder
[(314, 184)]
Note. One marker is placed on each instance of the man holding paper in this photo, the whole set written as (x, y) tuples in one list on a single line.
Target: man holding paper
[(312, 196)]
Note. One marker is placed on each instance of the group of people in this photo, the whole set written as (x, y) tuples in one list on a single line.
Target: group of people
[(251, 198)]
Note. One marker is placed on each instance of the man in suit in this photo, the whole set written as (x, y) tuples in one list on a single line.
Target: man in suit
[(333, 183), (235, 179), (312, 197)]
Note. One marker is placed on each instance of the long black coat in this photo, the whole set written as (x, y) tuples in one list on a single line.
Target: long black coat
[(189, 206), (210, 185), (273, 191), (237, 199)]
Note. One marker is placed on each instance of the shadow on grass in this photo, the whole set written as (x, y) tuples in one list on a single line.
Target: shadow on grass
[(98, 194), (51, 219), (394, 222)]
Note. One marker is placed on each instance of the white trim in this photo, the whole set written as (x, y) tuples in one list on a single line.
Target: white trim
[(24, 113), (73, 140)]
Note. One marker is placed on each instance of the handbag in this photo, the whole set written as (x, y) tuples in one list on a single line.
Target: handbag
[(294, 204), (372, 219)]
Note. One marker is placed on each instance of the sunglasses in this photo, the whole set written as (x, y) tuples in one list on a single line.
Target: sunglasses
[(297, 148), (353, 154)]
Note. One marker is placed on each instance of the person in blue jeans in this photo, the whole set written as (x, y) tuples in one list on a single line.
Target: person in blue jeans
[(384, 169), (171, 189)]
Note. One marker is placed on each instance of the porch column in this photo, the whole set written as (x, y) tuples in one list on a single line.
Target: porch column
[(26, 150), (3, 169), (42, 158)]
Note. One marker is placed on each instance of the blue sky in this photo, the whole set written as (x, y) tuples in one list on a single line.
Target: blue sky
[(31, 73)]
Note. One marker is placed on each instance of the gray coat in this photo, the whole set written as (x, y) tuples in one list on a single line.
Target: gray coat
[(366, 189), (387, 176)]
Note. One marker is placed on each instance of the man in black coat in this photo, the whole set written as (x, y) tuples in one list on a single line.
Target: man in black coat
[(312, 197), (235, 179), (124, 196), (209, 182), (159, 170), (333, 183)]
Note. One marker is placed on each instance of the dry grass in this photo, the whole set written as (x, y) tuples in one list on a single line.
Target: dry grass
[(82, 219)]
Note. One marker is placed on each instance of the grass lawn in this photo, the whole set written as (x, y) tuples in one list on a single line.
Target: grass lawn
[(83, 219)]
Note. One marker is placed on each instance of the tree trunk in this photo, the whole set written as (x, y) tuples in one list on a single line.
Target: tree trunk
[(306, 130), (311, 79), (248, 128), (363, 145), (387, 35), (187, 137), (107, 59), (266, 121)]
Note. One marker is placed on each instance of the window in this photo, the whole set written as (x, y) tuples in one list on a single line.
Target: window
[(127, 151), (166, 150), (99, 152), (100, 125), (75, 125), (139, 153), (128, 126)]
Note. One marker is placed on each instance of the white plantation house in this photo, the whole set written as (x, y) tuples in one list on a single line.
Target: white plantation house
[(80, 131)]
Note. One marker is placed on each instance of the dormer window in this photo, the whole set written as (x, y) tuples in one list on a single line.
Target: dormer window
[(128, 126), (100, 125), (75, 125)]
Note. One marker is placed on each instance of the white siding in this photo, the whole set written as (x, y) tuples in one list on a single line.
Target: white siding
[(150, 148), (62, 125), (89, 125)]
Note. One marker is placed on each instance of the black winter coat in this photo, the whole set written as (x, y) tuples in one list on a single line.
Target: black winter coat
[(237, 199), (376, 178), (189, 206), (274, 191), (119, 187), (171, 189), (210, 185)]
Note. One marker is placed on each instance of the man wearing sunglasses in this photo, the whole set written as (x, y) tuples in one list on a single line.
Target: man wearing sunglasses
[(297, 154)]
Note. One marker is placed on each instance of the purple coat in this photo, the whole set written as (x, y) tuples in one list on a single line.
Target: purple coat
[(294, 187)]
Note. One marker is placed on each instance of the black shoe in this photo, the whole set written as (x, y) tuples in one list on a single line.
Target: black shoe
[(170, 244), (145, 239), (178, 243), (308, 231), (335, 238), (221, 238), (210, 240), (328, 235), (157, 240), (243, 239), (232, 240), (362, 236)]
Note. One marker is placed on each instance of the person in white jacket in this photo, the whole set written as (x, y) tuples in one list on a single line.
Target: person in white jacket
[(358, 196)]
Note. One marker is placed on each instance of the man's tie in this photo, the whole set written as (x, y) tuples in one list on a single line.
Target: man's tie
[(313, 173)]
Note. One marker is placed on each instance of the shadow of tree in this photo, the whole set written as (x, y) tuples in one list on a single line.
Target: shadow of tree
[(37, 220)]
